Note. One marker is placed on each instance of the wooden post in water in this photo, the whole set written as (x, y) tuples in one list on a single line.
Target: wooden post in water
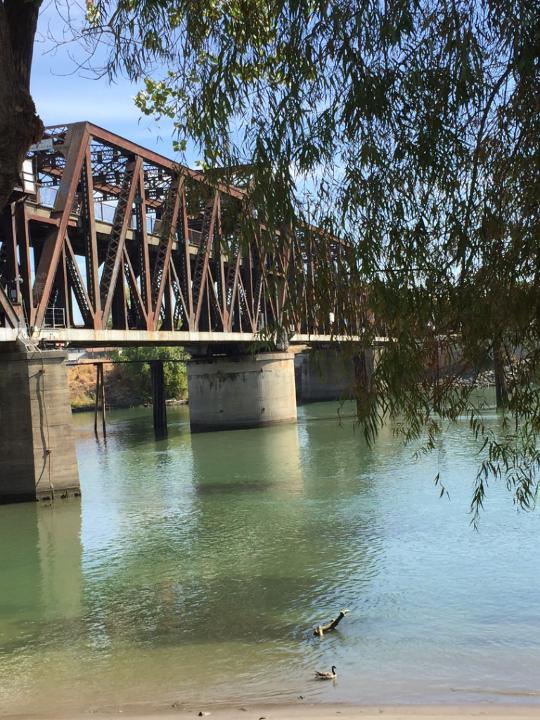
[(158, 398), (103, 406), (97, 399), (100, 396)]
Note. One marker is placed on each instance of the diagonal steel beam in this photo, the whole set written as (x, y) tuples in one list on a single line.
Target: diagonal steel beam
[(144, 253), (243, 303), (6, 306), (117, 238), (232, 289), (214, 297), (167, 237), (23, 242), (62, 286), (203, 258), (77, 284), (78, 138), (188, 289), (91, 251), (133, 288), (219, 258), (179, 297)]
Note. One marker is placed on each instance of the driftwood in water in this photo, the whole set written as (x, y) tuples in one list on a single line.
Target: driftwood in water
[(321, 629)]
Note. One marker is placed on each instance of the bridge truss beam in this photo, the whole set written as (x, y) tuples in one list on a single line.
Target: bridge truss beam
[(120, 238)]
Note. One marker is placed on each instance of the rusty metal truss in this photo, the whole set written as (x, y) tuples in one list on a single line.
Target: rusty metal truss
[(117, 237)]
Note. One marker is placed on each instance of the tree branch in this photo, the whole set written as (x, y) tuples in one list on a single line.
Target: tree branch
[(321, 629)]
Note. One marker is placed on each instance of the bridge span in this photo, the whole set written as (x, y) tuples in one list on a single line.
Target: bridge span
[(107, 243)]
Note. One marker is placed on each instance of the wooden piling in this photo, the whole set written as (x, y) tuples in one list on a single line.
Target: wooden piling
[(96, 406), (100, 399), (158, 399), (103, 404)]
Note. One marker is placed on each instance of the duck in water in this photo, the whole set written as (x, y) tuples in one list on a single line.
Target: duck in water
[(326, 674)]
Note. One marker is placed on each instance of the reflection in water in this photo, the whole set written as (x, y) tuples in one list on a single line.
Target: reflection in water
[(218, 552), (41, 594), (60, 563), (271, 457), (262, 542)]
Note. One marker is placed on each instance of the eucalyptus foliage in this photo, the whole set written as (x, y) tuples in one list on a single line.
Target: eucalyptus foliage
[(410, 129)]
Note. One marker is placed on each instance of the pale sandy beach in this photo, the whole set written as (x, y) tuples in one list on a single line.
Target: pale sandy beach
[(300, 712)]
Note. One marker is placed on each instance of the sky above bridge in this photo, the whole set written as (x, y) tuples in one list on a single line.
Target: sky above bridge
[(64, 93)]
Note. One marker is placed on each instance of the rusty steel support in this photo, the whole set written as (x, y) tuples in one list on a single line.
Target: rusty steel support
[(119, 237), (166, 240), (76, 139), (91, 251), (23, 242)]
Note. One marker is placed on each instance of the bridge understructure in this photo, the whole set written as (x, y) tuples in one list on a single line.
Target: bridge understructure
[(110, 244)]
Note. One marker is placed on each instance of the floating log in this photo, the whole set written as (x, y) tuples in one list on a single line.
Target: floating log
[(332, 625)]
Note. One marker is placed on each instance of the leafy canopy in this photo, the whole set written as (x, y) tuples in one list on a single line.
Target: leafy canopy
[(174, 368), (409, 128)]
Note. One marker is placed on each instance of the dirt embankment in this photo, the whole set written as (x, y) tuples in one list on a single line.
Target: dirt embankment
[(121, 389)]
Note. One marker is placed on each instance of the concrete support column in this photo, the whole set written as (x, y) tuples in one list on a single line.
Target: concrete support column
[(332, 373), (324, 374), (37, 448), (241, 392)]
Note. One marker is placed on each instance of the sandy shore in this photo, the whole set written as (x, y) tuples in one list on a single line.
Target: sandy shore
[(301, 712)]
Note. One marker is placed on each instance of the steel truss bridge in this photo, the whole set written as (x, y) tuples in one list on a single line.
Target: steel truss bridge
[(110, 243)]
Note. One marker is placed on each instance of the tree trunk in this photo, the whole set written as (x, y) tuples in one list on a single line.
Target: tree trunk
[(20, 126)]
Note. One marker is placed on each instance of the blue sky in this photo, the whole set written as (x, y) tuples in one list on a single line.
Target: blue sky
[(63, 94)]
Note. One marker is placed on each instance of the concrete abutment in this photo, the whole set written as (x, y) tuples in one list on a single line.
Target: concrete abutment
[(247, 391), (37, 448)]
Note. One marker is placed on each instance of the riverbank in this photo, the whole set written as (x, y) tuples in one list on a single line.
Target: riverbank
[(124, 388), (121, 389), (305, 712)]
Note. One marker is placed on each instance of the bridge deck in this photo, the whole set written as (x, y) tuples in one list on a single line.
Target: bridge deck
[(81, 337)]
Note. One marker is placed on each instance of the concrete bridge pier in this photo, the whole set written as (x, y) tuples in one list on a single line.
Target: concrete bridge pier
[(331, 373), (37, 448), (246, 391), (324, 374)]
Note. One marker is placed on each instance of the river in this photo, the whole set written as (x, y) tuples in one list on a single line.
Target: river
[(194, 568)]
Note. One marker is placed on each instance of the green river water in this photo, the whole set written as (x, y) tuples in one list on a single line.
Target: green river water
[(194, 568)]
